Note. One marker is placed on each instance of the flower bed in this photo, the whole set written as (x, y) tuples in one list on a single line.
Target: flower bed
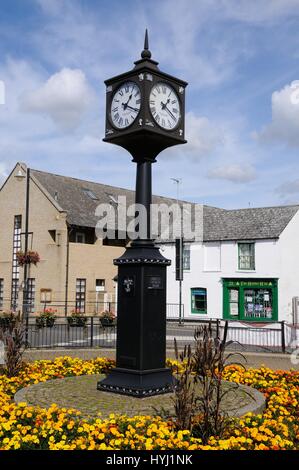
[(23, 427)]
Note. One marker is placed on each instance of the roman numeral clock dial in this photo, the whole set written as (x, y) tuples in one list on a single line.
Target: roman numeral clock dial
[(165, 106), (125, 105)]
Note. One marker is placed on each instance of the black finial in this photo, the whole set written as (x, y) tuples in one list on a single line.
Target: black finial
[(146, 53)]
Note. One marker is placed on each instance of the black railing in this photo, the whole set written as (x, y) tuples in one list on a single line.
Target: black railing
[(64, 309), (272, 337), (63, 334)]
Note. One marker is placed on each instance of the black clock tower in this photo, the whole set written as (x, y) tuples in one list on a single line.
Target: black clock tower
[(145, 113)]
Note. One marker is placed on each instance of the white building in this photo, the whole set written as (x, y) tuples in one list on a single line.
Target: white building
[(246, 268)]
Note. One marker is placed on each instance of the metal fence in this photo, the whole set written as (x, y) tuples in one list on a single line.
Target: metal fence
[(275, 338), (256, 338), (64, 335), (244, 336), (64, 309)]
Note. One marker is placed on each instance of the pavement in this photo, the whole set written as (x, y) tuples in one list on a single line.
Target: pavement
[(274, 361)]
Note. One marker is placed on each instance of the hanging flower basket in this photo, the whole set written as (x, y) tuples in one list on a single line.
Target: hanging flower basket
[(30, 257)]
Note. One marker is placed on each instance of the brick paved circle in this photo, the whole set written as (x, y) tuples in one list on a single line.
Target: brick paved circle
[(81, 393)]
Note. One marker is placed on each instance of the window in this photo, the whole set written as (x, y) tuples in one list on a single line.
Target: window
[(186, 258), (80, 295), (1, 293), (90, 194), (198, 300), (80, 237), (246, 256), (30, 294), (53, 235), (46, 295), (15, 266), (258, 303), (100, 285), (250, 299)]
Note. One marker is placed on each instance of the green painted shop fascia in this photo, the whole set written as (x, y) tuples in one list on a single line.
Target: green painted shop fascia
[(241, 284)]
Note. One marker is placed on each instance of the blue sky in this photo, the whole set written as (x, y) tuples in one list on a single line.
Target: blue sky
[(241, 60)]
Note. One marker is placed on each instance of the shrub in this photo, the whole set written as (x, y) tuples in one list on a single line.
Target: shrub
[(13, 337), (199, 389)]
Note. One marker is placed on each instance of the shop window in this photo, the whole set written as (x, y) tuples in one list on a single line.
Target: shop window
[(250, 299), (246, 256), (198, 300), (258, 303)]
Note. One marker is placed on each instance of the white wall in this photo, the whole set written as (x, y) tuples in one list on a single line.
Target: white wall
[(210, 262), (288, 286)]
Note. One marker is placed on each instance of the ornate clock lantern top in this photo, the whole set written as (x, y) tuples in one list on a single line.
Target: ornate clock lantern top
[(145, 109)]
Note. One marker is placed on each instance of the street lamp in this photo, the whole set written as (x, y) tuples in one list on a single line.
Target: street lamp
[(20, 175), (179, 271)]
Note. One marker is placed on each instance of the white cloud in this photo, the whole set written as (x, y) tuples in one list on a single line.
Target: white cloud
[(64, 98), (289, 187), (203, 136), (236, 173), (258, 11), (285, 118)]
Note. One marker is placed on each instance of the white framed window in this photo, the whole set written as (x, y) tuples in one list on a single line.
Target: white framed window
[(15, 266), (80, 295), (246, 255), (186, 257)]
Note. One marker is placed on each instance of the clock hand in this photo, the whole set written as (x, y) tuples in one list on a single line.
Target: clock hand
[(125, 105), (173, 117), (133, 109), (164, 106)]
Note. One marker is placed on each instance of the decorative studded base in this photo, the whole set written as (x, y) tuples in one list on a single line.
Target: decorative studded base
[(138, 384)]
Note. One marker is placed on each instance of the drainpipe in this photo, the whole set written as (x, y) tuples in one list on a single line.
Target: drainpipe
[(69, 230)]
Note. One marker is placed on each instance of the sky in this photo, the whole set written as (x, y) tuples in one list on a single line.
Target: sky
[(240, 58)]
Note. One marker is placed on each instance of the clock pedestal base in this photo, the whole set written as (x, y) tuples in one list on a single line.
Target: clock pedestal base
[(141, 324), (136, 383)]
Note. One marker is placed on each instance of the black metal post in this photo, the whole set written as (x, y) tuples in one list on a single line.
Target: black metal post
[(143, 194), (141, 315), (283, 339), (25, 309), (91, 332)]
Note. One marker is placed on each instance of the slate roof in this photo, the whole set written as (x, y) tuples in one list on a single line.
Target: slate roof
[(219, 224), (246, 224)]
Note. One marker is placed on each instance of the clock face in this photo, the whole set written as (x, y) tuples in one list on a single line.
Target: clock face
[(125, 105), (165, 106)]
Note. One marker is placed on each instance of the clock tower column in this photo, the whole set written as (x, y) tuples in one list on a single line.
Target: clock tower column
[(141, 312)]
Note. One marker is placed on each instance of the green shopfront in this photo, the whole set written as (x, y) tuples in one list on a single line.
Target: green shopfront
[(250, 299)]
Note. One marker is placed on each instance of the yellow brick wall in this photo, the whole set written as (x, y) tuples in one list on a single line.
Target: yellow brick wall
[(85, 261)]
